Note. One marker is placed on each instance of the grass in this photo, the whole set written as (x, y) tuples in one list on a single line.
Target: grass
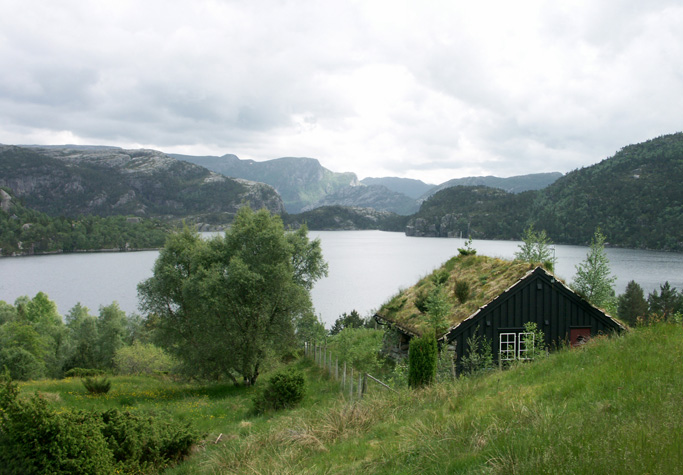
[(612, 406)]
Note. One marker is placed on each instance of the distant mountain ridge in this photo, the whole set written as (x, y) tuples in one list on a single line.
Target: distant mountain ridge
[(300, 181), (513, 184), (109, 181)]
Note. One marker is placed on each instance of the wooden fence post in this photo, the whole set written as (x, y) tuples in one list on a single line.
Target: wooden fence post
[(360, 386), (351, 385)]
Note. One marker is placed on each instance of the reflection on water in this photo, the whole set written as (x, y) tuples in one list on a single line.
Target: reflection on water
[(366, 268)]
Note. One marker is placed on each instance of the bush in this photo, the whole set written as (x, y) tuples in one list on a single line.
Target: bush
[(22, 365), (479, 355), (284, 389), (97, 385), (83, 372), (422, 358), (462, 290), (35, 439), (142, 359)]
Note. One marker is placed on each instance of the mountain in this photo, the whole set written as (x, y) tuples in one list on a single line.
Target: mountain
[(63, 181), (378, 197), (344, 218), (299, 181), (513, 184), (407, 186), (635, 197)]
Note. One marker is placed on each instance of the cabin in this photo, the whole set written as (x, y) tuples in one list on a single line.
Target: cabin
[(494, 298)]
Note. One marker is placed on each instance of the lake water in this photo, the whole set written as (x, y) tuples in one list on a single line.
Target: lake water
[(366, 268)]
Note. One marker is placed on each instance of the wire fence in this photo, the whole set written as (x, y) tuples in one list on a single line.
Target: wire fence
[(353, 383)]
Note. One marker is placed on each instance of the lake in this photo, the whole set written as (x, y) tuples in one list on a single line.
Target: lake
[(366, 268)]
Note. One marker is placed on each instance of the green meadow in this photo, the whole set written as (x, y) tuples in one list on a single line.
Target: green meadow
[(614, 405)]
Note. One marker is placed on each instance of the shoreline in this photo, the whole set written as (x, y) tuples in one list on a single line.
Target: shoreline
[(78, 251)]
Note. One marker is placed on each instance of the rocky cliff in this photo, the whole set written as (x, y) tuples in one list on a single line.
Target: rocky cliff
[(107, 181)]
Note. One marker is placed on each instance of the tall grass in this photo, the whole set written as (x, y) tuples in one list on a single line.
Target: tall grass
[(612, 406)]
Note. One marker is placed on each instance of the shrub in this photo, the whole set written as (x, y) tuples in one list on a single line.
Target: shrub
[(479, 356), (422, 359), (22, 365), (97, 385), (462, 290), (83, 372), (35, 439), (142, 359), (284, 389)]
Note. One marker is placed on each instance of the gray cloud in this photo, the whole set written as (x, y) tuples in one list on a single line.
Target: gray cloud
[(431, 91)]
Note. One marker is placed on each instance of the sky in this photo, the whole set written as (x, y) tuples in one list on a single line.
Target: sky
[(430, 90)]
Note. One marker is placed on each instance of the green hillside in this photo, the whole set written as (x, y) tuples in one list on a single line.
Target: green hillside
[(635, 197), (611, 406)]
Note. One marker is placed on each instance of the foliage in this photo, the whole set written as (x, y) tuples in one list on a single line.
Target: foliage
[(667, 302), (344, 218), (422, 360), (309, 329), (21, 364), (445, 365), (462, 290), (97, 385), (536, 348), (593, 279), (285, 389), (438, 309), (37, 439), (535, 248), (468, 250), (142, 358), (479, 355), (242, 291), (27, 231), (83, 372), (632, 304), (358, 347), (350, 320)]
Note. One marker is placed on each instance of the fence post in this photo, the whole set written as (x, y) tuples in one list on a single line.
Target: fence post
[(365, 383), (360, 386), (336, 369), (344, 377), (351, 386)]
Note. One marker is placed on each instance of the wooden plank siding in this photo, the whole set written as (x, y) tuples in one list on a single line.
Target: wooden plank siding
[(539, 298)]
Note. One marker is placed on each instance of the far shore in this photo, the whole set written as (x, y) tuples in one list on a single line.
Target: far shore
[(78, 251)]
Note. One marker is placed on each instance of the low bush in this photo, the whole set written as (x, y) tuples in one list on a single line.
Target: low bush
[(83, 372), (97, 385), (284, 389), (36, 439), (21, 364)]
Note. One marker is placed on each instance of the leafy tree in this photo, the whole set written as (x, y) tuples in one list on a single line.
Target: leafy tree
[(350, 320), (438, 308), (309, 329), (632, 304), (479, 355), (665, 303), (111, 333), (223, 304), (536, 248), (142, 358), (7, 312), (83, 338), (593, 279), (358, 347)]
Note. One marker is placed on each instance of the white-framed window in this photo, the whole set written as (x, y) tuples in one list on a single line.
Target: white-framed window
[(513, 346), (507, 349)]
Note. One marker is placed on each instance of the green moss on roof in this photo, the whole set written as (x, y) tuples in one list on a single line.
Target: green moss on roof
[(486, 277)]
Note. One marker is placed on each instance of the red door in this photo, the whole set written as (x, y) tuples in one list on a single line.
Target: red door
[(579, 336)]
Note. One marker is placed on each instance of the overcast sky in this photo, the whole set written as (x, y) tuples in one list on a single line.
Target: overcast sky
[(430, 90)]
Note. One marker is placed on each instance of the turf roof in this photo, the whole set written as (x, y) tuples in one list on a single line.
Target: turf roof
[(485, 277)]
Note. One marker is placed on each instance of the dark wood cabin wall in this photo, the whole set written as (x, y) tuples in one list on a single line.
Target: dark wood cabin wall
[(552, 303)]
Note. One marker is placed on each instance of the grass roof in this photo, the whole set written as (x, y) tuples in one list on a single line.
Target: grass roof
[(469, 283)]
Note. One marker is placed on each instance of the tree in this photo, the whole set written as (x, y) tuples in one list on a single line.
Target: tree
[(632, 304), (438, 308), (111, 333), (223, 304), (593, 279), (347, 320), (309, 329), (422, 360), (665, 303), (536, 248), (83, 337)]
